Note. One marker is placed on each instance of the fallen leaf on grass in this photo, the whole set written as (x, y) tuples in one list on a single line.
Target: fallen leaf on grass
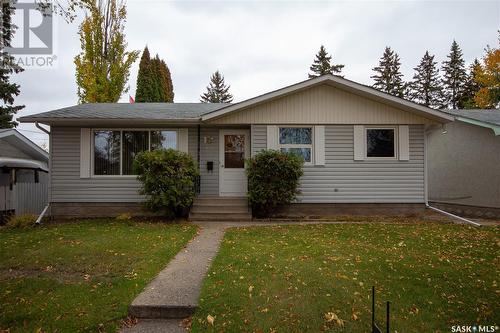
[(210, 320)]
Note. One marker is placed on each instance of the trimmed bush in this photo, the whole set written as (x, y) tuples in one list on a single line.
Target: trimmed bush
[(168, 181), (21, 221), (273, 180)]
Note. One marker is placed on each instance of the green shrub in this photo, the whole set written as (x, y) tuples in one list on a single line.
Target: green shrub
[(273, 179), (21, 221), (168, 180)]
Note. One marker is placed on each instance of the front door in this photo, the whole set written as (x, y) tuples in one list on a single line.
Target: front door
[(234, 148)]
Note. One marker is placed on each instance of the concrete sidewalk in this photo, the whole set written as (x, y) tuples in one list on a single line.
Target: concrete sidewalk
[(174, 292)]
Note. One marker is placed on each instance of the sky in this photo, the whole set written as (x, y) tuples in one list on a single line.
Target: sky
[(261, 46)]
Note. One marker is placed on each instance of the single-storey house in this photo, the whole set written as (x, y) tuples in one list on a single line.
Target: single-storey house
[(360, 146), (24, 176), (464, 164)]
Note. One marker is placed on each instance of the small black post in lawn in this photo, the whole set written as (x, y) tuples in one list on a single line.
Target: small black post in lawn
[(375, 328)]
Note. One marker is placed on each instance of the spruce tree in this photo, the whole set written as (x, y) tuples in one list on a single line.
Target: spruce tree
[(454, 76), (471, 87), (388, 77), (426, 87), (217, 91), (8, 66), (322, 65), (143, 92)]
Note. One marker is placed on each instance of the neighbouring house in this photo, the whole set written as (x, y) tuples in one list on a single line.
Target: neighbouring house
[(464, 164), (24, 176), (360, 146)]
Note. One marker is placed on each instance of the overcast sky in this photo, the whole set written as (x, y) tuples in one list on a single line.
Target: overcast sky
[(262, 46)]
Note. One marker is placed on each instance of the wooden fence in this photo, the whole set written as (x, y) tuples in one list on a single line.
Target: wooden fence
[(24, 198)]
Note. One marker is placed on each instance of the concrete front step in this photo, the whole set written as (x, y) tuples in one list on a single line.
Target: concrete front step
[(220, 209), (161, 311), (206, 209), (220, 217), (221, 201)]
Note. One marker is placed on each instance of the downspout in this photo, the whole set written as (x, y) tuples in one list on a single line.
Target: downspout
[(44, 211), (427, 130)]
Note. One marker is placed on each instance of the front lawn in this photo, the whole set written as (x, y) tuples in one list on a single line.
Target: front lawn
[(80, 276), (304, 278)]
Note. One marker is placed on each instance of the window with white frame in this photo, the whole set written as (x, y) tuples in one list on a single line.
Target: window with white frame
[(115, 150), (381, 142), (297, 140)]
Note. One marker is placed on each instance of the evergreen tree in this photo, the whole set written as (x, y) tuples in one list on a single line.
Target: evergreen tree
[(322, 65), (154, 83), (454, 76), (8, 66), (144, 78), (166, 79), (471, 87), (217, 91), (388, 77), (426, 87)]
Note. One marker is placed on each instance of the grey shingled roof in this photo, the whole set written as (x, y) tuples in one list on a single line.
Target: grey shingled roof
[(150, 111), (490, 116)]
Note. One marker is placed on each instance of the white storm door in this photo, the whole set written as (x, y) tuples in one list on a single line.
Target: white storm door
[(234, 148)]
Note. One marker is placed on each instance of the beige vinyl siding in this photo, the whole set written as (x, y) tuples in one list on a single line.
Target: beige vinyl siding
[(258, 135), (343, 180), (322, 105), (209, 152), (66, 184)]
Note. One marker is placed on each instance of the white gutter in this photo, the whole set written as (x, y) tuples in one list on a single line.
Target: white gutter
[(427, 130), (41, 128)]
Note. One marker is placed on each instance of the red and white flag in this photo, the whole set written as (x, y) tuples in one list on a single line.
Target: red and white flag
[(131, 99)]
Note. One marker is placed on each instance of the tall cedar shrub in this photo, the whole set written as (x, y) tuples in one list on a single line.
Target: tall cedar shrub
[(154, 82), (168, 180), (273, 180)]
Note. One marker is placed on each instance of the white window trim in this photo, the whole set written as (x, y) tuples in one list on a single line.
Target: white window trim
[(396, 143), (311, 146), (121, 130)]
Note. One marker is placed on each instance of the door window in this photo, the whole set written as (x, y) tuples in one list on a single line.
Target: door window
[(234, 151)]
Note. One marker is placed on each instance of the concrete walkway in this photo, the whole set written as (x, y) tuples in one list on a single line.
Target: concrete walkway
[(174, 293)]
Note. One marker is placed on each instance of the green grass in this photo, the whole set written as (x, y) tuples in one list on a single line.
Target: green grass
[(80, 276), (288, 278)]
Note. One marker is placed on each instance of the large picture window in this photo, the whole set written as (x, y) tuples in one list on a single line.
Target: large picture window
[(380, 143), (107, 152), (297, 140), (115, 150), (163, 140), (134, 142)]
